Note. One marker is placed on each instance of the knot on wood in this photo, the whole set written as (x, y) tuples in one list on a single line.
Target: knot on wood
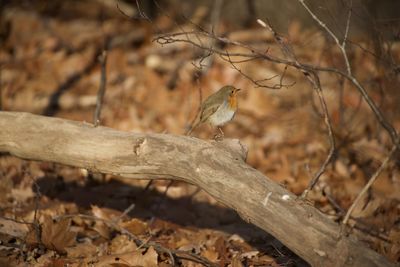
[(138, 146)]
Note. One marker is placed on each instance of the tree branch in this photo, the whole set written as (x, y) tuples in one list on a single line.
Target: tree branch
[(217, 167), (370, 182)]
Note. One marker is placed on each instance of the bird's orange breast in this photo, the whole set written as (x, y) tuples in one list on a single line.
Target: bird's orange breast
[(233, 101)]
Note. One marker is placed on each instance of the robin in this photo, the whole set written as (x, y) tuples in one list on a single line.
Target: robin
[(218, 109)]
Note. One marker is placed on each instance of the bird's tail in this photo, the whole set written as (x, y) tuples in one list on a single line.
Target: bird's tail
[(195, 122), (192, 128)]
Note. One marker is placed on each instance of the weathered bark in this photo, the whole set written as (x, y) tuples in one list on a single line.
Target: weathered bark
[(216, 167)]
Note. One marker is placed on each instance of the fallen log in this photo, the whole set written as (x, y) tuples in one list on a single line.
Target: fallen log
[(219, 168)]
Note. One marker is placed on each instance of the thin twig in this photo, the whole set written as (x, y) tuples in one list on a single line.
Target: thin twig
[(329, 31), (215, 17), (331, 139), (361, 225), (342, 46), (370, 182), (346, 32), (341, 101), (141, 13), (391, 130), (36, 225), (259, 83), (102, 88), (314, 80), (1, 89), (126, 211)]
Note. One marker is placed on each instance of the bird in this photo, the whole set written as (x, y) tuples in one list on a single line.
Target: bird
[(218, 109)]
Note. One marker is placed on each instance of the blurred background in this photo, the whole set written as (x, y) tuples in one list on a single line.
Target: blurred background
[(49, 63)]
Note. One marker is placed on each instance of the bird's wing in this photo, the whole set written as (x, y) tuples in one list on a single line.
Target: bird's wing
[(210, 105), (208, 111), (204, 114)]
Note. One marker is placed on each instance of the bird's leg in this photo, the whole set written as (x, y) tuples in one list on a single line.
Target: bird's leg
[(219, 136), (222, 132)]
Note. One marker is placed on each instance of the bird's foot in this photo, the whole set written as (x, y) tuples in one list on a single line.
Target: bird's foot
[(219, 137)]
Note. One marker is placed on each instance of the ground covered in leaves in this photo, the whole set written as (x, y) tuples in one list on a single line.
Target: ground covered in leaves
[(52, 215)]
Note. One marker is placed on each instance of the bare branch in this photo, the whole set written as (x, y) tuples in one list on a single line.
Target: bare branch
[(258, 83), (391, 130), (126, 211), (215, 17), (346, 32), (370, 182), (1, 89), (102, 88), (315, 82), (332, 148), (326, 28)]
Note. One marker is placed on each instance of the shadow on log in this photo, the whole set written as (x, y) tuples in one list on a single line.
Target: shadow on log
[(219, 168)]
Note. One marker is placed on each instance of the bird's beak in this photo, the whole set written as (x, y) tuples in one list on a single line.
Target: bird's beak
[(237, 90)]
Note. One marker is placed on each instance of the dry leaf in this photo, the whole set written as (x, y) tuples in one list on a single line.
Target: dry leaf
[(105, 213), (22, 194), (250, 254), (6, 186), (57, 235), (236, 262), (46, 259), (267, 260), (135, 226), (135, 258), (13, 228), (82, 250), (102, 229), (394, 249), (236, 237), (212, 255), (122, 244)]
